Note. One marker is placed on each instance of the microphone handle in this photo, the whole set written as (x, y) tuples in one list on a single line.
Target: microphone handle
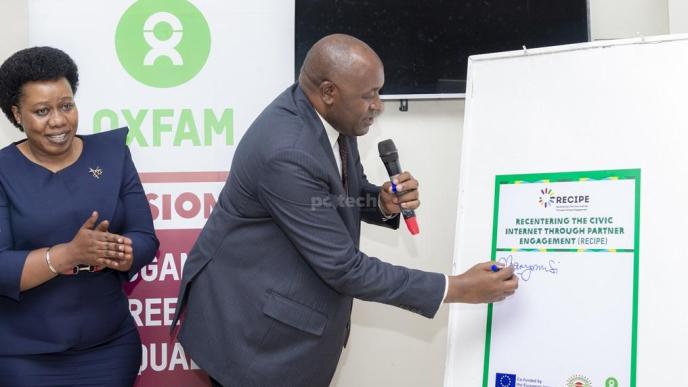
[(407, 213), (393, 169)]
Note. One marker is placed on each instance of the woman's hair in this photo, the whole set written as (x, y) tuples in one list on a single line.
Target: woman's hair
[(33, 64)]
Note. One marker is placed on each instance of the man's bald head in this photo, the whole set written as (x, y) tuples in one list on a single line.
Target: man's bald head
[(342, 77), (334, 58)]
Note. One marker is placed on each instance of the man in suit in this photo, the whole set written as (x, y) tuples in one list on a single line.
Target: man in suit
[(268, 287)]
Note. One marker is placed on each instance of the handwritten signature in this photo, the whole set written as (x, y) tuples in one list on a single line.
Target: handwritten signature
[(524, 271)]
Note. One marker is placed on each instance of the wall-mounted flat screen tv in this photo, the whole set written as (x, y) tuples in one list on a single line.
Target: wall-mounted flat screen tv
[(425, 45)]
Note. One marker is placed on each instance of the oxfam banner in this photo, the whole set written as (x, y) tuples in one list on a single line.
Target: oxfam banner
[(187, 78)]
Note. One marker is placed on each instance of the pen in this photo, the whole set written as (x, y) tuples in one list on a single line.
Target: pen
[(496, 268)]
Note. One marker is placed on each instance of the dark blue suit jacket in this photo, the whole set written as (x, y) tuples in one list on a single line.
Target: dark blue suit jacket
[(39, 208), (268, 286)]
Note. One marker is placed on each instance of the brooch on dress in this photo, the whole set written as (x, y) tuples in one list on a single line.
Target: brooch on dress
[(97, 172)]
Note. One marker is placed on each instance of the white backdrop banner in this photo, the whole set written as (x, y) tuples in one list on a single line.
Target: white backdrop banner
[(187, 78)]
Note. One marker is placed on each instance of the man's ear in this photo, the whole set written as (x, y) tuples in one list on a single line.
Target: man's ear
[(328, 90)]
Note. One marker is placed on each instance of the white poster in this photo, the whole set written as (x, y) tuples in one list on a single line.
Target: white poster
[(572, 239)]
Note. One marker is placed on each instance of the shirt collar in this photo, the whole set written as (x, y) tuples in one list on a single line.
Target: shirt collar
[(332, 133)]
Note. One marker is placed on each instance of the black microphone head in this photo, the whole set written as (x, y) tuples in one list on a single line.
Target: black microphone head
[(389, 156), (388, 151)]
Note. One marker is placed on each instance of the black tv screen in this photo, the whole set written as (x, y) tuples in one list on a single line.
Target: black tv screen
[(425, 45)]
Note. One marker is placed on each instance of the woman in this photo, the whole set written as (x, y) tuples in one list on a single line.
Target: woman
[(74, 224)]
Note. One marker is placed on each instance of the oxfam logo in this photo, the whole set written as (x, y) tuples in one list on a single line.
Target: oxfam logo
[(162, 43)]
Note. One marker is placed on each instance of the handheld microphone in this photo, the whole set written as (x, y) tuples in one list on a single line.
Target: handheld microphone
[(390, 157)]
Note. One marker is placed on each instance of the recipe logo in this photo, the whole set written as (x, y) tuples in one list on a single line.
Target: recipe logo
[(547, 198)]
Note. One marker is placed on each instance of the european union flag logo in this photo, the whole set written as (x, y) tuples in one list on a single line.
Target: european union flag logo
[(505, 380)]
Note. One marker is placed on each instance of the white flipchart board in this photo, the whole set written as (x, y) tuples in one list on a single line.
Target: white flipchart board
[(593, 106)]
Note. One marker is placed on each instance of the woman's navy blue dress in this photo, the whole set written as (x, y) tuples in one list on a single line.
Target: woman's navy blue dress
[(72, 330)]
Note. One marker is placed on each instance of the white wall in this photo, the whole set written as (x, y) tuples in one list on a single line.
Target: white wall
[(678, 16), (614, 19), (388, 346), (14, 30)]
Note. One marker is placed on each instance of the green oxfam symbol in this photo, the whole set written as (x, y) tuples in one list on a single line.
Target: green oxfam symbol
[(162, 43), (611, 382)]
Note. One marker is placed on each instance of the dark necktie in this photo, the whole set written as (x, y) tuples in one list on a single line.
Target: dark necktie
[(343, 151)]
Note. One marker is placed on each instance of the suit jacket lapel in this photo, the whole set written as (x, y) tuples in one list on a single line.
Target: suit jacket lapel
[(347, 208), (315, 125)]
